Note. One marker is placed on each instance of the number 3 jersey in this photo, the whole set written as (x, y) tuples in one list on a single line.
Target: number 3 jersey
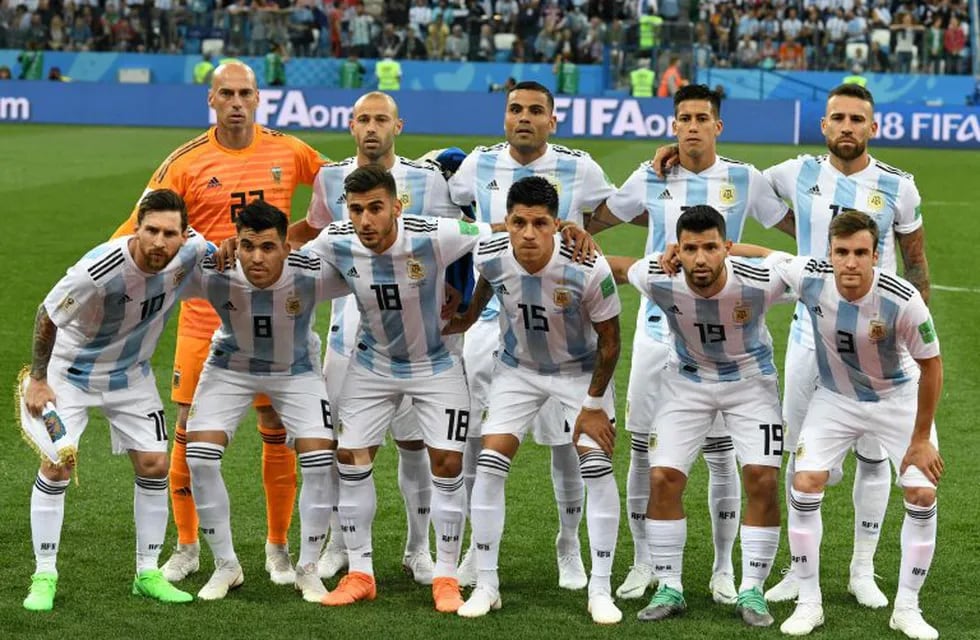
[(817, 192), (865, 348), (268, 331), (110, 313), (546, 317), (401, 291), (721, 338)]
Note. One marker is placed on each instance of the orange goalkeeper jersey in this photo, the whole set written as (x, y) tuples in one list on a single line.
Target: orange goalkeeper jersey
[(217, 182)]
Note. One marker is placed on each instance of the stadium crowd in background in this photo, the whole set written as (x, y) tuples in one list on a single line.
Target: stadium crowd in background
[(924, 36)]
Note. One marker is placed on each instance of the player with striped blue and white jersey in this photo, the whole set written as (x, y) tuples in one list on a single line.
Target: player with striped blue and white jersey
[(738, 191), (484, 179), (93, 338), (559, 326), (720, 363), (395, 266), (880, 373), (265, 344), (818, 189), (423, 191)]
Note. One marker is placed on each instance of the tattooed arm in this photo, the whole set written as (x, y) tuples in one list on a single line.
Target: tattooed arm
[(913, 248), (459, 323), (38, 392), (594, 422)]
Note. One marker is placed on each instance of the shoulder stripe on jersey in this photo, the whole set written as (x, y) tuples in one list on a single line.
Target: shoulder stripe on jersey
[(210, 263), (571, 152), (655, 269), (345, 228), (183, 150), (567, 252), (301, 258), (887, 168), (418, 226), (272, 132), (885, 286), (493, 246), (749, 275), (106, 264), (818, 266), (299, 264), (762, 271), (895, 282), (415, 165), (730, 161)]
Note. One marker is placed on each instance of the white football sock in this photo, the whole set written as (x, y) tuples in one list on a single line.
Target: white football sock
[(487, 512), (211, 498), (356, 506), (448, 518), (637, 496), (759, 546), (872, 485), (601, 517), (805, 535), (569, 494), (918, 547), (666, 539), (415, 483), (47, 517), (724, 499), (316, 501), (151, 510)]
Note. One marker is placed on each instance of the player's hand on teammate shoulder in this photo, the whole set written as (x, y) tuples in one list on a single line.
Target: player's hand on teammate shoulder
[(225, 257), (666, 158), (925, 457), (669, 261), (584, 246)]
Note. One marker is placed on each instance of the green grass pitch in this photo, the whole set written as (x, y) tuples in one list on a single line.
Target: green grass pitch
[(65, 189)]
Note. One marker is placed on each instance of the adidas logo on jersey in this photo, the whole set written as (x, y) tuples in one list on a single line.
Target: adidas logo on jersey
[(817, 311), (342, 199), (124, 299), (228, 306), (214, 183), (676, 310), (814, 190), (665, 195), (352, 273), (492, 186), (502, 289)]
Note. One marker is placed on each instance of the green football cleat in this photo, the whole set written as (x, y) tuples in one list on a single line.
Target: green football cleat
[(751, 605), (152, 584), (665, 603), (41, 595)]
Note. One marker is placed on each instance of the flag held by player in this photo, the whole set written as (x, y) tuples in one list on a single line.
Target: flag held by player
[(46, 434)]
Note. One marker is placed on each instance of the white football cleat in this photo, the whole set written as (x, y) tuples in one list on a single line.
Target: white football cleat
[(419, 566), (786, 589), (638, 580), (571, 572), (278, 564), (604, 610), (481, 602), (309, 584), (333, 560), (227, 575), (807, 617), (466, 572), (722, 587), (909, 621), (867, 592), (185, 560)]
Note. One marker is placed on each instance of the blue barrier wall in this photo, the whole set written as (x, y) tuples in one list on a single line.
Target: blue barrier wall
[(754, 84), (771, 121), (308, 72)]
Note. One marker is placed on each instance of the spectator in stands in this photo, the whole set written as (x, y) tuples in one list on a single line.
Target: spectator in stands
[(546, 44), (906, 34), (591, 46), (933, 46), (672, 79), (57, 34), (411, 47), (486, 49), (435, 42), (518, 52), (551, 15), (300, 27), (38, 32), (670, 10), (527, 26), (748, 24), (476, 19), (768, 54), (954, 40), (419, 17), (457, 45), (124, 37), (857, 28), (446, 12), (507, 11), (724, 23), (792, 25), (361, 29), (836, 28), (704, 57), (396, 12), (878, 61), (566, 45), (791, 55), (747, 54), (389, 41), (259, 36), (769, 26)]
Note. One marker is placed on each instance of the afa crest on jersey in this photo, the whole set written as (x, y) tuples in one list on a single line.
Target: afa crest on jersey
[(405, 196), (293, 305), (562, 297), (727, 194), (277, 174), (415, 269), (652, 443), (877, 331), (876, 201), (742, 313)]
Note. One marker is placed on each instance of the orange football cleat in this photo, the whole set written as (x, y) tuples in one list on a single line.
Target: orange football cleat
[(352, 587), (445, 592)]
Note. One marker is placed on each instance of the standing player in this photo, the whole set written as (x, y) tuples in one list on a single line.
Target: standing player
[(395, 267), (820, 188), (736, 190), (422, 190), (559, 339), (868, 327), (265, 344), (217, 173), (484, 178), (93, 338), (720, 364)]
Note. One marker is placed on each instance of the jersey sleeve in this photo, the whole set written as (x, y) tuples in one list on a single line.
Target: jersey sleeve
[(308, 161), (781, 178), (601, 297), (791, 271), (318, 214), (630, 200), (639, 274), (439, 202), (461, 184), (72, 297), (917, 331), (596, 185), (765, 205), (778, 290), (908, 208), (457, 237), (330, 283)]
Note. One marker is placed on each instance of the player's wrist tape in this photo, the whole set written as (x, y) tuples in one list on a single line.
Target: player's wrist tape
[(591, 402)]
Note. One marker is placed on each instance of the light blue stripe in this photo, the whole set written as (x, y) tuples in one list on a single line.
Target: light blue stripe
[(578, 327), (537, 344), (506, 355), (803, 205), (847, 319), (343, 260), (218, 292), (565, 171), (394, 328), (888, 185), (735, 219), (845, 193), (486, 169), (656, 241), (810, 291), (708, 312), (113, 315), (663, 292), (133, 344), (264, 348), (755, 331), (697, 190), (304, 286), (415, 181), (332, 180), (424, 252), (888, 349)]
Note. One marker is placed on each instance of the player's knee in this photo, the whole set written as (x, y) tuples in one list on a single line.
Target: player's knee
[(56, 473), (761, 482), (810, 481), (151, 465), (666, 483), (446, 464), (920, 496), (345, 456)]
